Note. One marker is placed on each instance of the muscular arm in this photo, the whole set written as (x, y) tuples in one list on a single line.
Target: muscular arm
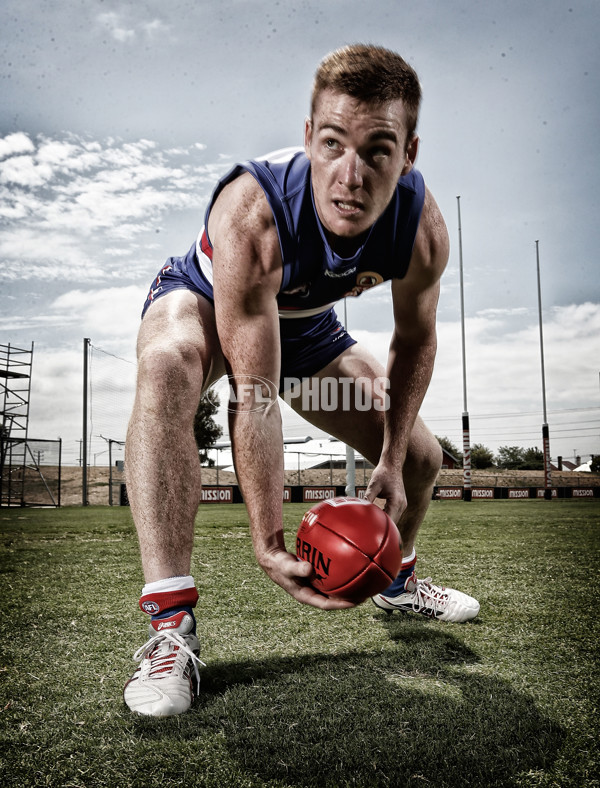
[(247, 275), (412, 351)]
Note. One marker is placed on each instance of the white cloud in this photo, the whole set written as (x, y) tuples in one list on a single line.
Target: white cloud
[(35, 255), (110, 315), (56, 396), (56, 152), (43, 322), (124, 31), (154, 29), (57, 399), (503, 313), (112, 22), (24, 171), (68, 202), (504, 377), (14, 144)]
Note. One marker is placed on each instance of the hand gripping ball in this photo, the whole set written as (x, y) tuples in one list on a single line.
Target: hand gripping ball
[(353, 545)]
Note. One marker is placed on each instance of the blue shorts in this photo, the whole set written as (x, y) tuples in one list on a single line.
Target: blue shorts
[(308, 344)]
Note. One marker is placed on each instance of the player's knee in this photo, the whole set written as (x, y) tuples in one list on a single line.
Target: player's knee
[(424, 459), (170, 370), (435, 456)]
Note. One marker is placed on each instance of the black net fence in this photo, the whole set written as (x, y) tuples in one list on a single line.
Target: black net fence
[(31, 472)]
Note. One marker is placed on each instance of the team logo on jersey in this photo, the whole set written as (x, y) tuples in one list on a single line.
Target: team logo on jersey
[(365, 280)]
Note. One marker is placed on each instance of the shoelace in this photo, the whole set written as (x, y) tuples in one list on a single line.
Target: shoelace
[(167, 658), (428, 595)]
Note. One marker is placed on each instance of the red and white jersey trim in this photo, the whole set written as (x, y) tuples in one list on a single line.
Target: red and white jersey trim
[(204, 252)]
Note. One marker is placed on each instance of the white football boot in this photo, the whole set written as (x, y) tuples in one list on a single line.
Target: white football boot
[(422, 596), (167, 677)]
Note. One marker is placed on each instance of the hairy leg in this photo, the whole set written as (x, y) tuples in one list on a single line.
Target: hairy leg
[(178, 357), (363, 430)]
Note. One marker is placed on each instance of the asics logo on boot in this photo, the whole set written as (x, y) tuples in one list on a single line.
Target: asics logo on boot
[(166, 625)]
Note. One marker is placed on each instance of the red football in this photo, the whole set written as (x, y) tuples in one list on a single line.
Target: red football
[(353, 545)]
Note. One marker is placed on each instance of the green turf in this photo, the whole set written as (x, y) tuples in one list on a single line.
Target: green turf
[(293, 696)]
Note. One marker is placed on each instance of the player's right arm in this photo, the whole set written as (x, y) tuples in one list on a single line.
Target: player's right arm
[(411, 355), (247, 271)]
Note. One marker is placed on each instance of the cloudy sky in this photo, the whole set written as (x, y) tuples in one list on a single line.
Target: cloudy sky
[(117, 118)]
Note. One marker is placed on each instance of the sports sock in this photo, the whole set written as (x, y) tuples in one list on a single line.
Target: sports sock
[(406, 571), (164, 598)]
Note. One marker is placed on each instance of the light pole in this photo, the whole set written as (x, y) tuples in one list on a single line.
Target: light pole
[(84, 456), (545, 428), (467, 490)]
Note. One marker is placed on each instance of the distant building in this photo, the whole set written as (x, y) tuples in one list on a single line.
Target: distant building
[(337, 462), (565, 465), (449, 461)]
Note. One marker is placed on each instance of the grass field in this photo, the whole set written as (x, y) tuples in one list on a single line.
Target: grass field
[(292, 696)]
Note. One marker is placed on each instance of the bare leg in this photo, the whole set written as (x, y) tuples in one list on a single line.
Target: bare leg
[(178, 356), (363, 430)]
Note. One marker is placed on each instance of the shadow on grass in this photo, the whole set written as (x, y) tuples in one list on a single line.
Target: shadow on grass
[(423, 715)]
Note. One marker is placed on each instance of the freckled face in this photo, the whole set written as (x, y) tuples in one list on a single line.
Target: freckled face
[(357, 152)]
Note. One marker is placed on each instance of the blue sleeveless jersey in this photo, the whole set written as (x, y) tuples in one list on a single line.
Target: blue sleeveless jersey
[(314, 276)]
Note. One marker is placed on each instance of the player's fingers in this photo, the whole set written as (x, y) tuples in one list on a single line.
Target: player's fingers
[(371, 492), (392, 508), (309, 596), (395, 505), (301, 569)]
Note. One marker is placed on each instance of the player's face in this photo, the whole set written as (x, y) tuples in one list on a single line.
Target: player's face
[(357, 152)]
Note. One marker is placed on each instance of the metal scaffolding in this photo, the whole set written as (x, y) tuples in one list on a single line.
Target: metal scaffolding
[(15, 391)]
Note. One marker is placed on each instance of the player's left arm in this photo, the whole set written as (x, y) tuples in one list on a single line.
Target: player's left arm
[(412, 352)]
